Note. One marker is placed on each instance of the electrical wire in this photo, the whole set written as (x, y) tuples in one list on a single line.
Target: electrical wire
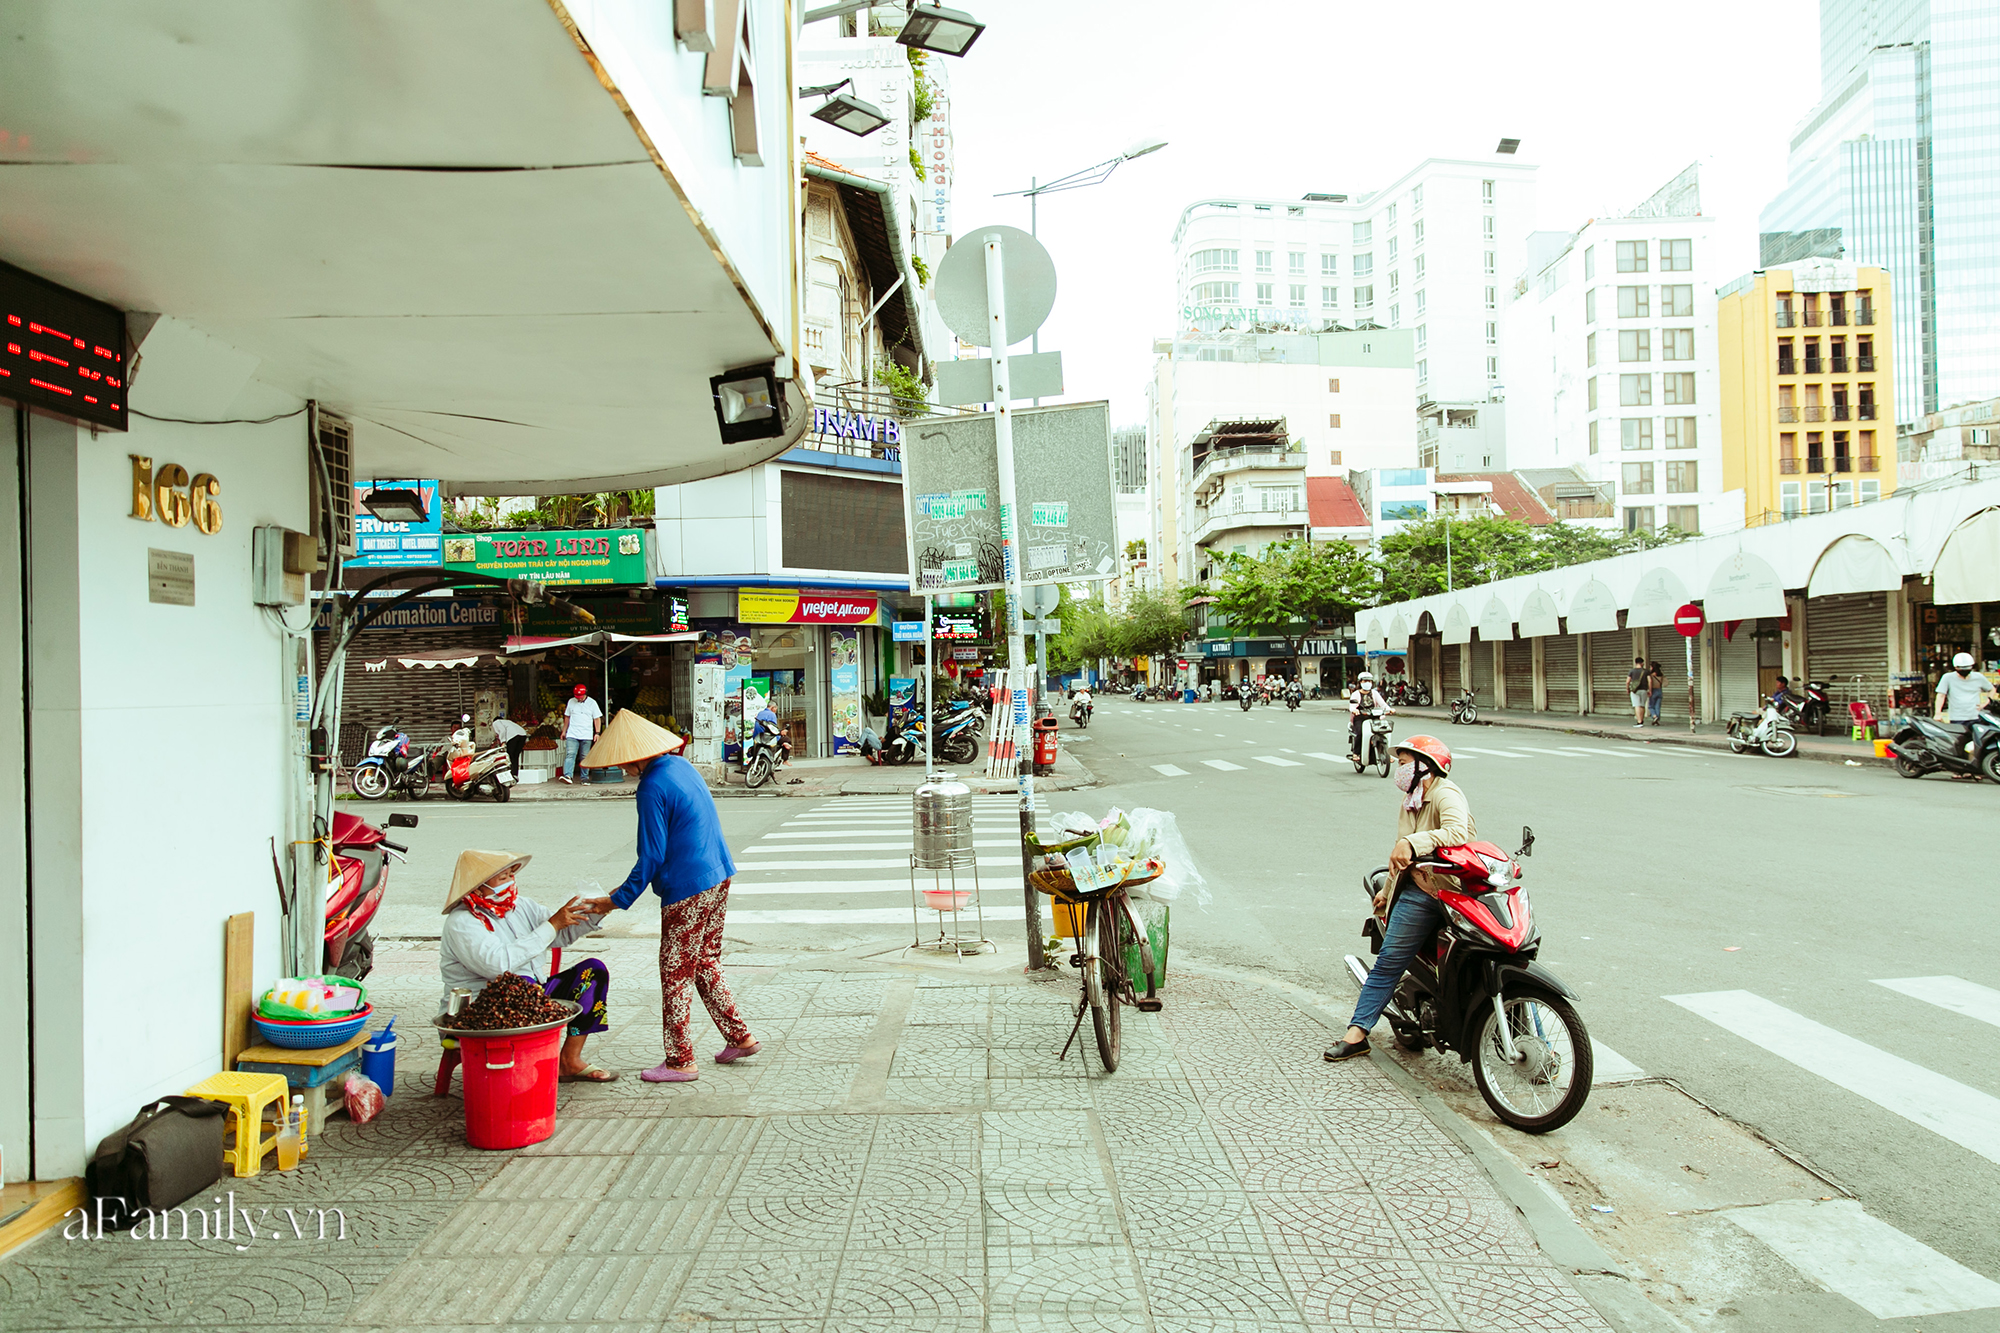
[(229, 421)]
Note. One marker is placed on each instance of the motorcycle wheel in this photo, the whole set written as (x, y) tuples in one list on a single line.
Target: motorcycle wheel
[(1547, 1090), (370, 783), (1908, 769), (1780, 743), (417, 784), (760, 772)]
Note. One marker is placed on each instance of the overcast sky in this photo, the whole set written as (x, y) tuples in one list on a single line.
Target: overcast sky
[(1279, 97)]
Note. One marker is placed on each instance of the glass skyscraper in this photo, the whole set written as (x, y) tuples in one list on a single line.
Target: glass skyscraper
[(1899, 166)]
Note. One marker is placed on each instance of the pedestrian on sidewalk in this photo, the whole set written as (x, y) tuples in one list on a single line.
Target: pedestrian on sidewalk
[(683, 859), (1434, 814), (512, 735), (583, 722), (1635, 688), (1656, 689)]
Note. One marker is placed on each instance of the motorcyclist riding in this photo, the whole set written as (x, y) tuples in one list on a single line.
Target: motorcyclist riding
[(1434, 814), (1363, 702)]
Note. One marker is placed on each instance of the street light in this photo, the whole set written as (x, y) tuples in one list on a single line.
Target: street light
[(846, 111)]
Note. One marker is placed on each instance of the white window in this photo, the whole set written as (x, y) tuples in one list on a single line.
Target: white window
[(1492, 263), (1364, 297), (1329, 298), (1295, 263), (1364, 265), (1210, 261), (1486, 192), (1492, 298), (1486, 227), (1298, 296), (1492, 333), (1264, 293), (1363, 232), (1329, 266), (1263, 261)]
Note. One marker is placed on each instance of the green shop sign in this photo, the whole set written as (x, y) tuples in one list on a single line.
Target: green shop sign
[(593, 555)]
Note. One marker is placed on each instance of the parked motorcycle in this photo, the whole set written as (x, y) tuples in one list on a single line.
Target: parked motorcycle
[(1924, 745), (389, 766), (1465, 708), (1375, 740), (1481, 993), (1770, 731), (360, 877)]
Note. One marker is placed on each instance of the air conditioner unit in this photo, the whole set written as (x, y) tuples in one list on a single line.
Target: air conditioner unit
[(336, 447)]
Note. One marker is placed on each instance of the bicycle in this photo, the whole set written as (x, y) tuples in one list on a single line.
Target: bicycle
[(1110, 926)]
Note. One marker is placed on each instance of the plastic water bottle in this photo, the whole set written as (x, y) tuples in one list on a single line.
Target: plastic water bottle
[(290, 1125)]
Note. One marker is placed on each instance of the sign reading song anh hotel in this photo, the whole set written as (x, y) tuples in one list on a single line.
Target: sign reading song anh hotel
[(593, 555)]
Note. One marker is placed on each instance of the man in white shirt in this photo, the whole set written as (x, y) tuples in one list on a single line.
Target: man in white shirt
[(512, 735), (582, 720)]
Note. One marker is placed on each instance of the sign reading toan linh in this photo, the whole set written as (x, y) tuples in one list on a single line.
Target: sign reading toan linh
[(595, 555)]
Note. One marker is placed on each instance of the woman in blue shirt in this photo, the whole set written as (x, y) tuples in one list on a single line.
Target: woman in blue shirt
[(683, 859)]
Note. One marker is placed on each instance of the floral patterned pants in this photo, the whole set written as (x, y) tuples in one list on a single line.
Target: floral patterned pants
[(691, 953)]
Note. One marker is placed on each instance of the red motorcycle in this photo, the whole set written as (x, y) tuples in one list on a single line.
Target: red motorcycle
[(361, 854), (1476, 989)]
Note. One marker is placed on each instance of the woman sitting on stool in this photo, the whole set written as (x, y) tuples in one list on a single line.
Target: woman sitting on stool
[(489, 929)]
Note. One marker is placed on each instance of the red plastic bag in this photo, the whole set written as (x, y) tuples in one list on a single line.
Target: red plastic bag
[(461, 768), (364, 1099)]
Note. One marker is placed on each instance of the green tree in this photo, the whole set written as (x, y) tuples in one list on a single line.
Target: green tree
[(1295, 586)]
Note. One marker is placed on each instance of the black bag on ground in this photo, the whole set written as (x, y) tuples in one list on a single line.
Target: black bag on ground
[(170, 1152)]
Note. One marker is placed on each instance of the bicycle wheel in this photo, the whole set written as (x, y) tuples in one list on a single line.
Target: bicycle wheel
[(1103, 979)]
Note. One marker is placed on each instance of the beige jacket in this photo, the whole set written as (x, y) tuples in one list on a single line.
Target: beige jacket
[(1444, 820)]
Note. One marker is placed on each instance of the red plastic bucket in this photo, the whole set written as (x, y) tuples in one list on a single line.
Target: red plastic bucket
[(510, 1085)]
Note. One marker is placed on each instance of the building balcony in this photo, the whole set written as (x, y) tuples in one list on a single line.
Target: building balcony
[(1867, 411), (1868, 463), (1788, 465), (1842, 412), (1787, 366), (1786, 319), (1788, 414)]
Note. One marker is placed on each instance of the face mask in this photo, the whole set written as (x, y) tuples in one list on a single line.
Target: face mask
[(1406, 776)]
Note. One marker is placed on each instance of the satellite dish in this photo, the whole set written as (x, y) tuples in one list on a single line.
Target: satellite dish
[(959, 287)]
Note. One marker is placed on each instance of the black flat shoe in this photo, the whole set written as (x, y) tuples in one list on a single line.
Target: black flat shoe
[(1347, 1050)]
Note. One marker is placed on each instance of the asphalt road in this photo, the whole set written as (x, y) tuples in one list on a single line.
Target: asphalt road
[(1728, 920)]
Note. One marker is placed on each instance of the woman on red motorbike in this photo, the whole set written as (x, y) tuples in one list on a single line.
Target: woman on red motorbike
[(1434, 814)]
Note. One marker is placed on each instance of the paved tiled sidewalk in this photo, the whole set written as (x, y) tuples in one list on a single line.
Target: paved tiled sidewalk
[(906, 1154)]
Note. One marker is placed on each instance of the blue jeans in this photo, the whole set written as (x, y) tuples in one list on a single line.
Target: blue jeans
[(1412, 918), (573, 750)]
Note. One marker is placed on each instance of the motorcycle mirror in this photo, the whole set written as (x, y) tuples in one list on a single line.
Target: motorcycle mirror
[(401, 820), (1527, 841)]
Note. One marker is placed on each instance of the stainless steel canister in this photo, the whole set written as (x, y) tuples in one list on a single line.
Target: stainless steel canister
[(941, 824)]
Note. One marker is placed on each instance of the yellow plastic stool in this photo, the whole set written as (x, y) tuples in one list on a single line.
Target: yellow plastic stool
[(247, 1096)]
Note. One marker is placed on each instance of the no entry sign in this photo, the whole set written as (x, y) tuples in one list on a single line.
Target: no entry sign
[(1689, 620)]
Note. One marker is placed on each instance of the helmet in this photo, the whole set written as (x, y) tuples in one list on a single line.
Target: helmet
[(1365, 678), (1426, 752), (1962, 662)]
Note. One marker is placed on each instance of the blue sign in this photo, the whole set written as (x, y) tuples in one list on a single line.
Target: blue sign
[(909, 631), (382, 545)]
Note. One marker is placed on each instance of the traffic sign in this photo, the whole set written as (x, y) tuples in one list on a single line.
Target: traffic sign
[(1689, 620)]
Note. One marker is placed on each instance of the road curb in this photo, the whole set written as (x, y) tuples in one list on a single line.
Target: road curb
[(1611, 1291)]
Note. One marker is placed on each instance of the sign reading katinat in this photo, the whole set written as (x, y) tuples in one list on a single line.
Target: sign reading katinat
[(951, 489)]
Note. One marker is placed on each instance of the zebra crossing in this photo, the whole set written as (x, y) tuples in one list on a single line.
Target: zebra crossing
[(845, 862)]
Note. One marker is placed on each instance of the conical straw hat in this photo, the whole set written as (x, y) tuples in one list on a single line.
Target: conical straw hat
[(475, 868), (628, 738)]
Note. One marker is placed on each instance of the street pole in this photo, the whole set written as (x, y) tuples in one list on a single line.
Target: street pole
[(1010, 564), (930, 673)]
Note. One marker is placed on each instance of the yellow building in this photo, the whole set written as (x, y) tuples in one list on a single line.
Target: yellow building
[(1808, 399)]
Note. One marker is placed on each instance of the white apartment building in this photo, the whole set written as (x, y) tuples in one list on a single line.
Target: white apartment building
[(1426, 254), (1346, 399), (1611, 333)]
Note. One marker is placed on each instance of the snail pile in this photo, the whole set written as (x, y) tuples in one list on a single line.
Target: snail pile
[(509, 1001)]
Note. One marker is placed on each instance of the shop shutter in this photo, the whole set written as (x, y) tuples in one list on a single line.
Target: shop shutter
[(1610, 658), (1848, 636), (1454, 657), (1736, 670), (1482, 672), (1670, 651), (425, 702), (1520, 674), (1559, 670)]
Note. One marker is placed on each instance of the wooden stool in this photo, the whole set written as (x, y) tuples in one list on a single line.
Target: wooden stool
[(247, 1096), (316, 1075)]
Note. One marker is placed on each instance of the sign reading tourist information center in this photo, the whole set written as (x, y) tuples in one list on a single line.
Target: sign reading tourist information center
[(593, 555)]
